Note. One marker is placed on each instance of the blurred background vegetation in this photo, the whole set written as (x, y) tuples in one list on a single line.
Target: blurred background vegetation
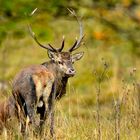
[(112, 35)]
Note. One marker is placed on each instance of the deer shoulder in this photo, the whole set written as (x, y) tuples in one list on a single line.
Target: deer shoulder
[(43, 80)]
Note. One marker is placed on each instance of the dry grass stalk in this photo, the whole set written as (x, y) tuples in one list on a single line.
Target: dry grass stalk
[(99, 79)]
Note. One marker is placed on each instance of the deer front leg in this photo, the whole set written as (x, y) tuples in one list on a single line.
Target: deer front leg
[(49, 114), (46, 95), (44, 109), (51, 110)]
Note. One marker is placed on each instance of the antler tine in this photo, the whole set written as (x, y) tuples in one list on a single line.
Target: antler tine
[(48, 47), (77, 45), (62, 46)]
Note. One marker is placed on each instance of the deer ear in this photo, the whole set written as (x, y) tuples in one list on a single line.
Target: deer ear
[(77, 56), (51, 55)]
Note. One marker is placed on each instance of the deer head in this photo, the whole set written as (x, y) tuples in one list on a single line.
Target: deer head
[(64, 60)]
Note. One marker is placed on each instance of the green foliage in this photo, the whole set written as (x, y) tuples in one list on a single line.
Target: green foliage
[(108, 29), (17, 8)]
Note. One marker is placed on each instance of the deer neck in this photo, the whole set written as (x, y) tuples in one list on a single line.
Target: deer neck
[(51, 66), (60, 79)]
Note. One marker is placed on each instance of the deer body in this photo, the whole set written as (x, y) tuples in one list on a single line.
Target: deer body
[(30, 85), (36, 87)]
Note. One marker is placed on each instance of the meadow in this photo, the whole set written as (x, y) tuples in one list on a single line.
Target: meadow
[(103, 98)]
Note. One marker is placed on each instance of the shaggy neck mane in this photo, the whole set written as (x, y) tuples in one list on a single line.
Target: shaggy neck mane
[(60, 79)]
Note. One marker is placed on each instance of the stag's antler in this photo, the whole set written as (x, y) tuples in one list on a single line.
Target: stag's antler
[(62, 46), (75, 46), (77, 42), (48, 47)]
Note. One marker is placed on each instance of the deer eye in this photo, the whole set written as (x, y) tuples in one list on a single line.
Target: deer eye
[(60, 62)]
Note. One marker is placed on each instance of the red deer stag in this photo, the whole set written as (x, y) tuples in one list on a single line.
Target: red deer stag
[(42, 83)]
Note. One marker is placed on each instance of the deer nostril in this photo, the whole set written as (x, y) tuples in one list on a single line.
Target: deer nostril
[(71, 71)]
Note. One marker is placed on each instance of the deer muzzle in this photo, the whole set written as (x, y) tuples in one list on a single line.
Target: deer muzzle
[(70, 72)]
